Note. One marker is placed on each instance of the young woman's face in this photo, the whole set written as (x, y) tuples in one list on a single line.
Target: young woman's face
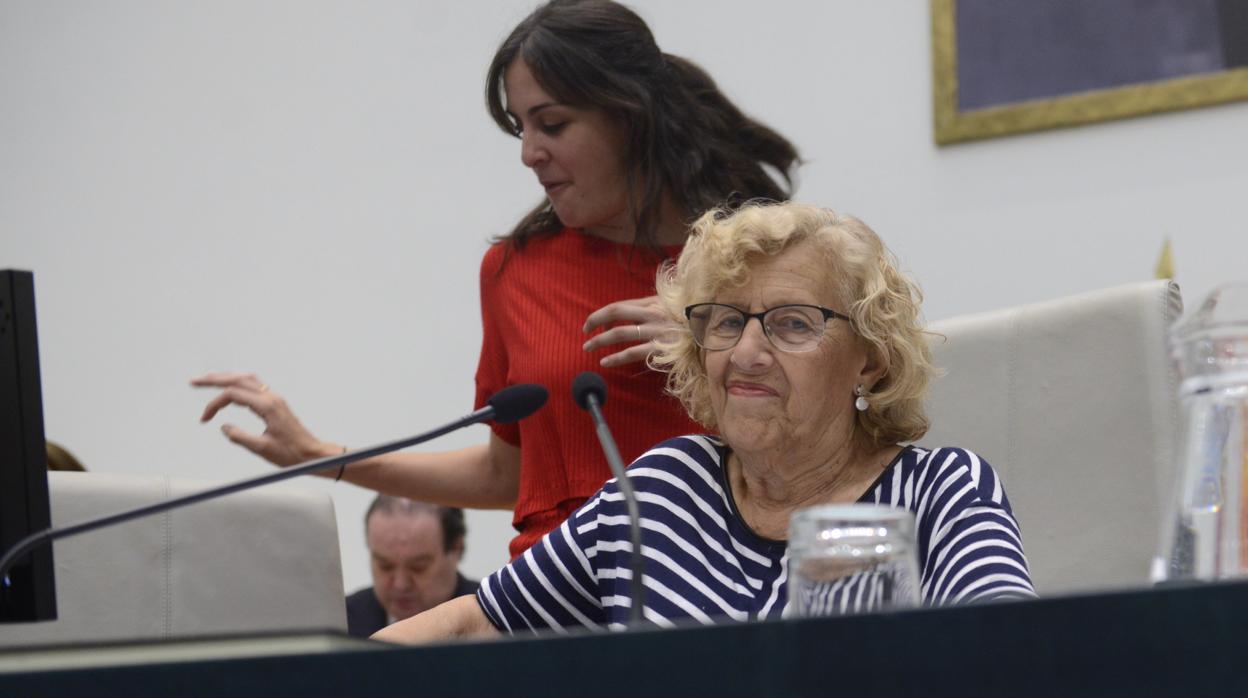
[(577, 155)]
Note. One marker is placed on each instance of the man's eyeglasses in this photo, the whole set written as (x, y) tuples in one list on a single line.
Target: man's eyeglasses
[(791, 328)]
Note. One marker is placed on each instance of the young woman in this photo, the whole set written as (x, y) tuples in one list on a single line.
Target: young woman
[(629, 144)]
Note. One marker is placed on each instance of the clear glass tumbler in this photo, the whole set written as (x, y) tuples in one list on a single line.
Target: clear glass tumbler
[(855, 558), (1207, 538)]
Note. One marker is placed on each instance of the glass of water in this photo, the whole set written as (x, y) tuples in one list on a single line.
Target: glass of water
[(855, 558)]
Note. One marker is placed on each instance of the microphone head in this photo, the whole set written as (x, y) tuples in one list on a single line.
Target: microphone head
[(515, 402), (586, 384)]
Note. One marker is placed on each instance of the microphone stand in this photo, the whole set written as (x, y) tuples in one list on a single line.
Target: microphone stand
[(636, 588), (28, 543)]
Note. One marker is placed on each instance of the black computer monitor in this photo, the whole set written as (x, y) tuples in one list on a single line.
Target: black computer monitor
[(29, 592)]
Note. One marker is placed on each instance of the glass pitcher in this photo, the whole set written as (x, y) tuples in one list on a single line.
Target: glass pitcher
[(1208, 539)]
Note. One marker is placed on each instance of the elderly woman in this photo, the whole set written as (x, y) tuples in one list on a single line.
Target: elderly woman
[(803, 352)]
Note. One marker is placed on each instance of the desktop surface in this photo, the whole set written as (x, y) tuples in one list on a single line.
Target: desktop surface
[(1169, 641)]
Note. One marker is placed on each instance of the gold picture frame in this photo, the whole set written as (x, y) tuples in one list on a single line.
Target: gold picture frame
[(953, 125)]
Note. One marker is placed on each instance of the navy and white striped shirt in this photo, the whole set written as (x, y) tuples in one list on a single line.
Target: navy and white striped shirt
[(704, 564)]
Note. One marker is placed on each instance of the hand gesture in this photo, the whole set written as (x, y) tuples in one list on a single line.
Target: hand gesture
[(636, 322), (285, 440)]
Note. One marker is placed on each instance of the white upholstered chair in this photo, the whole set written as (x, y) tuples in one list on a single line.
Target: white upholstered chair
[(265, 560), (1074, 402)]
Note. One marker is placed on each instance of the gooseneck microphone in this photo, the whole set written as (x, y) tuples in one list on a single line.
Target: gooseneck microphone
[(589, 391), (510, 404)]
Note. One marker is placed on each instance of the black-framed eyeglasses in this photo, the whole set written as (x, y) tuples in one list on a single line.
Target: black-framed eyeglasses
[(791, 328)]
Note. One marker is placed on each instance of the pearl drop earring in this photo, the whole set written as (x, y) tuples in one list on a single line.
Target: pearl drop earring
[(861, 403)]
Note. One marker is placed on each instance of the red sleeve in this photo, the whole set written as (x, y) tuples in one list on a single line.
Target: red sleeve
[(492, 367)]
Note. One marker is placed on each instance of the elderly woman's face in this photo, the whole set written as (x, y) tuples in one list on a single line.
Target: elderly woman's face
[(766, 399)]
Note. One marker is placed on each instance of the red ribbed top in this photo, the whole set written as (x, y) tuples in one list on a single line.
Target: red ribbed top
[(533, 307)]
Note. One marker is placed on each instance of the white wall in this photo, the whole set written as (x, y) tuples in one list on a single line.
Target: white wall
[(305, 188)]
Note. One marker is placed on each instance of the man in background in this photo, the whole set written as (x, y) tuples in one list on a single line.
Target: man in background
[(415, 548)]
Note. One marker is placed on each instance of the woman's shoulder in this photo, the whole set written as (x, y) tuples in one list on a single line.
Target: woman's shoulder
[(681, 473), (698, 455), (933, 469), (498, 253), (505, 253), (957, 453), (700, 447)]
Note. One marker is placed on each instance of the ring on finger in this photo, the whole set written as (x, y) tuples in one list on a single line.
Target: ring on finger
[(264, 387), (638, 332)]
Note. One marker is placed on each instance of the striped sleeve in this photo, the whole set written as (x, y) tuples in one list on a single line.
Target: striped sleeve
[(553, 585), (970, 543)]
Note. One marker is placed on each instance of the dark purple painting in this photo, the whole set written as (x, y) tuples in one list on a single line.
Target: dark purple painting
[(1016, 50)]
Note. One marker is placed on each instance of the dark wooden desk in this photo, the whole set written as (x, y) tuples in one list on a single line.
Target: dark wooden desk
[(1163, 642)]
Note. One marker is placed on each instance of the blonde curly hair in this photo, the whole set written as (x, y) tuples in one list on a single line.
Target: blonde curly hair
[(883, 310)]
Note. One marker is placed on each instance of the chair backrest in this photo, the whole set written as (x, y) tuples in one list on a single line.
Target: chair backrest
[(257, 561), (1074, 402)]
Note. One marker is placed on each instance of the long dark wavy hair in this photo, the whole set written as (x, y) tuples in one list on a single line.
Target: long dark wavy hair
[(681, 133)]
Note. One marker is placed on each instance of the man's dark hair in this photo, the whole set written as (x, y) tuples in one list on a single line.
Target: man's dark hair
[(453, 527)]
